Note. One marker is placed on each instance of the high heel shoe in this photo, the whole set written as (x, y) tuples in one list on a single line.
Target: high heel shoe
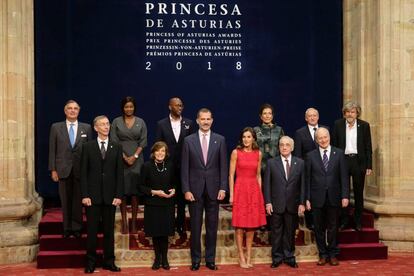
[(243, 264)]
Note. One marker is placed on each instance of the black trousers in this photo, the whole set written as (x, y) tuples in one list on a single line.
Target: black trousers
[(197, 208), (70, 198), (95, 214), (357, 174), (326, 229), (283, 227)]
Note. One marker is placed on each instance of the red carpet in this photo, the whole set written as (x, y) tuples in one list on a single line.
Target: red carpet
[(57, 252), (399, 264)]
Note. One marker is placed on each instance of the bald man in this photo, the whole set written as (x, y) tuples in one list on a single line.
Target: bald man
[(327, 191)]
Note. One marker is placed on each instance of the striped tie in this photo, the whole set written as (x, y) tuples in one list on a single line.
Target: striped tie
[(325, 160)]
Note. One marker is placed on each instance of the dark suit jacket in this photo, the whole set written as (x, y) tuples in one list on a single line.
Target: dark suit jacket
[(281, 193), (364, 145), (62, 157), (197, 177), (165, 133), (335, 181), (304, 142), (102, 180)]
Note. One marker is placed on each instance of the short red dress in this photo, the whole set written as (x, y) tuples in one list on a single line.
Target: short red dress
[(248, 203)]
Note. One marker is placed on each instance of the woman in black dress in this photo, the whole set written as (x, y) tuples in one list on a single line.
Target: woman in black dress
[(157, 185)]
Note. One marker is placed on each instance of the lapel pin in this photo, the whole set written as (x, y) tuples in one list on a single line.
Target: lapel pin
[(215, 142)]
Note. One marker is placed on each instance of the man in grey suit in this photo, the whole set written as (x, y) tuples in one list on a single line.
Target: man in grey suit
[(327, 191), (204, 173), (65, 147), (284, 193)]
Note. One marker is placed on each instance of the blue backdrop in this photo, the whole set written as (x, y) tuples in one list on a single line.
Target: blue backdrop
[(93, 51)]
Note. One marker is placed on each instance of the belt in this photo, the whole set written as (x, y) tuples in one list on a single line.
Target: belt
[(351, 155)]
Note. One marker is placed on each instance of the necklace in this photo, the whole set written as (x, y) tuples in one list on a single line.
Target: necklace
[(163, 167)]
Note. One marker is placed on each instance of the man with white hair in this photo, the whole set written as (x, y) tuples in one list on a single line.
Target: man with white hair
[(327, 191), (284, 193)]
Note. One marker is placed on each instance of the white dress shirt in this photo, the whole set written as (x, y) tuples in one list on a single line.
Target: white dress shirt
[(176, 127), (75, 127), (105, 145), (328, 152), (312, 131), (351, 138), (208, 134)]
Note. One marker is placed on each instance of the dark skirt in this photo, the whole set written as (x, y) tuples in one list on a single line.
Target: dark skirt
[(159, 220)]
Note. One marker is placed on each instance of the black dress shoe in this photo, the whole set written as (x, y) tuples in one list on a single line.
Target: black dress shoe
[(358, 227), (156, 265), (275, 264), (112, 268), (342, 227), (292, 264), (76, 234), (66, 234), (89, 269), (195, 266), (211, 266), (165, 265), (180, 230)]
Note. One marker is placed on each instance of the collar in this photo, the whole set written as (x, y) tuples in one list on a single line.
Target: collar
[(173, 120), (106, 140), (200, 133), (321, 150), (75, 123)]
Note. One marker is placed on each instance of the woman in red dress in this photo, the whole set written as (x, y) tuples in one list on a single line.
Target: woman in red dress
[(246, 193)]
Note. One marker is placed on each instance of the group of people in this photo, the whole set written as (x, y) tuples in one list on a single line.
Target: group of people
[(271, 179)]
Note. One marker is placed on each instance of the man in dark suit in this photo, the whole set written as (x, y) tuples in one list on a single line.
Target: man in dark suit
[(305, 142), (172, 130), (65, 147), (354, 137), (327, 190), (102, 172), (204, 174), (284, 193)]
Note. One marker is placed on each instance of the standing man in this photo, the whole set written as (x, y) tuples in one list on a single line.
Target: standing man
[(172, 130), (65, 148), (304, 143), (354, 137), (327, 190), (284, 193), (204, 174), (102, 175)]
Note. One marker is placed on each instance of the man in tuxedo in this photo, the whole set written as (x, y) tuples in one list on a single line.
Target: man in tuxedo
[(284, 193), (102, 172), (327, 190), (172, 130), (204, 174), (353, 135), (65, 148), (304, 143)]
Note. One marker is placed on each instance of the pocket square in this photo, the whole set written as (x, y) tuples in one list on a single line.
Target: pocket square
[(84, 135)]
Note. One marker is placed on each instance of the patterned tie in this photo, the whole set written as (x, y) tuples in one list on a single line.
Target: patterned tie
[(103, 151), (325, 160), (204, 148), (287, 169), (72, 135)]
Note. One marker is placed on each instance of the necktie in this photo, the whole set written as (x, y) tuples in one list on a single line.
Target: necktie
[(325, 160), (314, 132), (204, 148), (287, 169), (103, 151), (72, 135)]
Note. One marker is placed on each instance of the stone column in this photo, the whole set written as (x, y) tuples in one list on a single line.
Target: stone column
[(379, 74), (20, 206)]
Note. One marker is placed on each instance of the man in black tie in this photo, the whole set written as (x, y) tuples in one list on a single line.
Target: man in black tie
[(102, 172), (172, 130), (284, 193), (304, 143), (65, 148), (327, 190), (353, 135)]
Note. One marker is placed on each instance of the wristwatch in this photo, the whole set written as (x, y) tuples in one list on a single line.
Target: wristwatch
[(136, 156)]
